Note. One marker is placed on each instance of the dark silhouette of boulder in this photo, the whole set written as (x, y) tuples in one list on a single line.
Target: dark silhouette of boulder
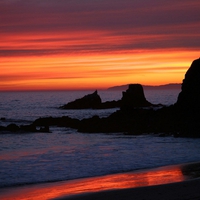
[(134, 97), (188, 103), (189, 96), (12, 128), (28, 128), (88, 101), (2, 128), (23, 129), (64, 121)]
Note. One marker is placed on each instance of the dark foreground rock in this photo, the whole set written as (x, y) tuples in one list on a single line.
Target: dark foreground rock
[(13, 128), (136, 121), (64, 121), (188, 103), (189, 97)]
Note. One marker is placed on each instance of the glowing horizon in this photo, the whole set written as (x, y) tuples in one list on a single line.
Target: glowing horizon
[(63, 45)]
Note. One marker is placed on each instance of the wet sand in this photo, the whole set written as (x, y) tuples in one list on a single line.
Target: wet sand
[(170, 182), (187, 190)]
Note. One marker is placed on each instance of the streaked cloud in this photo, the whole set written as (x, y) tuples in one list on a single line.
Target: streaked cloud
[(87, 40)]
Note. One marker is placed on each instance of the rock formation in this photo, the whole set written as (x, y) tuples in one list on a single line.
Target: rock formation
[(189, 97), (31, 128), (134, 97), (91, 101), (188, 103), (88, 101), (181, 119)]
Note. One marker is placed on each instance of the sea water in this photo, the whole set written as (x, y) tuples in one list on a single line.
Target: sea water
[(65, 154)]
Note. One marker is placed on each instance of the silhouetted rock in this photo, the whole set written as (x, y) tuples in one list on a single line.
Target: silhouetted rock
[(92, 101), (189, 97), (188, 103), (134, 97), (12, 128), (28, 128), (2, 128), (88, 101), (64, 121)]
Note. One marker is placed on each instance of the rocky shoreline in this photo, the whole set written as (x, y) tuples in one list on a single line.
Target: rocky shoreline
[(135, 115)]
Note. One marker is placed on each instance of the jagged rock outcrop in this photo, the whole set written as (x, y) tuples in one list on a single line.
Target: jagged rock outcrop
[(134, 97), (188, 103), (189, 97), (88, 101), (91, 101), (181, 119)]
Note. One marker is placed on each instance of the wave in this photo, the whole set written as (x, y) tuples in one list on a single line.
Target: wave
[(112, 172)]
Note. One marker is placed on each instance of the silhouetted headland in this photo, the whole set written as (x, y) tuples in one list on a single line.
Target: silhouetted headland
[(136, 115)]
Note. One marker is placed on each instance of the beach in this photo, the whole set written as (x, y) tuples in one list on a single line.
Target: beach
[(168, 182), (66, 164), (187, 190)]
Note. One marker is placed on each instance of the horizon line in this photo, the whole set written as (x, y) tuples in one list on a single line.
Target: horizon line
[(85, 89)]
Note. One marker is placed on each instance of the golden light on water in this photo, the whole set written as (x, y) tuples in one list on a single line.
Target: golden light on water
[(96, 184)]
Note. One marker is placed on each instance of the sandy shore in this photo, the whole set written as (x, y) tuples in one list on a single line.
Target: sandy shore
[(178, 182), (187, 190)]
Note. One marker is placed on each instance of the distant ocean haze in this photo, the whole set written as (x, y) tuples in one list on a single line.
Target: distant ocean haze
[(170, 86)]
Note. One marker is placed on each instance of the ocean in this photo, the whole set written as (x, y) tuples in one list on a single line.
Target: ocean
[(65, 154)]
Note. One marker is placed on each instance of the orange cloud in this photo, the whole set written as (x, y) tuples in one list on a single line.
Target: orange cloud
[(94, 71), (76, 45)]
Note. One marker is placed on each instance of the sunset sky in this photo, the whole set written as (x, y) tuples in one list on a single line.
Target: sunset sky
[(96, 44)]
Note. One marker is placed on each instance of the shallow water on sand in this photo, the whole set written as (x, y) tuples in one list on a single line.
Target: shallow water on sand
[(140, 178)]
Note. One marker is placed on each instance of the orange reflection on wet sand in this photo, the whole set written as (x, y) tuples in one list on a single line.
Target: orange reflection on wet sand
[(116, 181)]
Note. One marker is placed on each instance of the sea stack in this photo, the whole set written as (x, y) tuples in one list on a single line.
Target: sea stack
[(88, 101), (134, 97)]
